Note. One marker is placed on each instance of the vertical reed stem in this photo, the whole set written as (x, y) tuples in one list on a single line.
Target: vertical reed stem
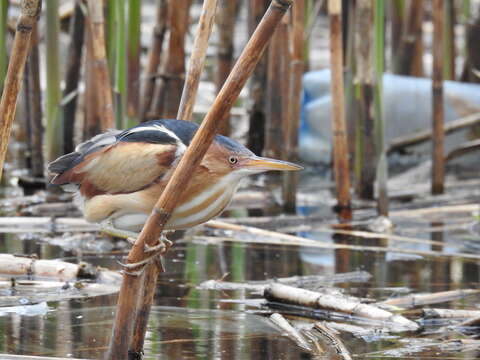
[(171, 85), (227, 15), (132, 285), (277, 103), (256, 131), (409, 58), (100, 66), (120, 87), (154, 57), (290, 181), (365, 93), (92, 113), (13, 80), (54, 134), (34, 106), (133, 59), (340, 141), (449, 40), (197, 60), (3, 41), (379, 61), (438, 166), (72, 75)]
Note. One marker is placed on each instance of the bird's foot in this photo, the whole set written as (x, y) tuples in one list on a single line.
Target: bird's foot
[(156, 251)]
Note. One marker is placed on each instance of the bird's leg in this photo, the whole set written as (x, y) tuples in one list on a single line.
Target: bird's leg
[(107, 227)]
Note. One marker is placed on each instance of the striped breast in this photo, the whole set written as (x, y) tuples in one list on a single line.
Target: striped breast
[(205, 205)]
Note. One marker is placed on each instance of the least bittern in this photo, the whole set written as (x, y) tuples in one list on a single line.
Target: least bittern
[(119, 175)]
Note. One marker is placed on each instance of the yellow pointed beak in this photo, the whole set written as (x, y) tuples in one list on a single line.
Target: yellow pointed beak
[(264, 164)]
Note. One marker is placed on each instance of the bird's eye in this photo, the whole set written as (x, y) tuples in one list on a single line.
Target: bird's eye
[(232, 160)]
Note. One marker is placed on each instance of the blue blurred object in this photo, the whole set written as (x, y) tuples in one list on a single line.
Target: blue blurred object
[(407, 105)]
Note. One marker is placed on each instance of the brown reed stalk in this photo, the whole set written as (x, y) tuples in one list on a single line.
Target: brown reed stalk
[(131, 286), (169, 90), (226, 18), (396, 9), (4, 5), (256, 131), (92, 114), (409, 58), (72, 75), (197, 60), (33, 106), (339, 128), (364, 78), (13, 80), (438, 164), (277, 102), (133, 60), (290, 181), (100, 66), (449, 53), (154, 57), (185, 113)]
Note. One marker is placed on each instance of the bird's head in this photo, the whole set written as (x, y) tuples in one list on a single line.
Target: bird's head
[(227, 156)]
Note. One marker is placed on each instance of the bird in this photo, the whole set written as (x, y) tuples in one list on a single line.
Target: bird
[(118, 176)]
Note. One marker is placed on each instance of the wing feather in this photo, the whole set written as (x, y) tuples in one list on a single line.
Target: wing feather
[(120, 161)]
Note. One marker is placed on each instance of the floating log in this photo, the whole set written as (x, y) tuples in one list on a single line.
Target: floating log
[(31, 266), (297, 296)]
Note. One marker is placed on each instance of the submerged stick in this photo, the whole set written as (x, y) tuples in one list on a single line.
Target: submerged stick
[(21, 45), (296, 296), (293, 333), (328, 334), (435, 298), (449, 313), (271, 237), (305, 281), (197, 60), (131, 286)]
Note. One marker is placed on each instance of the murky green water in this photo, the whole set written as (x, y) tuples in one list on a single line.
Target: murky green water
[(188, 323)]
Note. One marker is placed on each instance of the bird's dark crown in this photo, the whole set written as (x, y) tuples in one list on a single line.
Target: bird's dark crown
[(185, 130)]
